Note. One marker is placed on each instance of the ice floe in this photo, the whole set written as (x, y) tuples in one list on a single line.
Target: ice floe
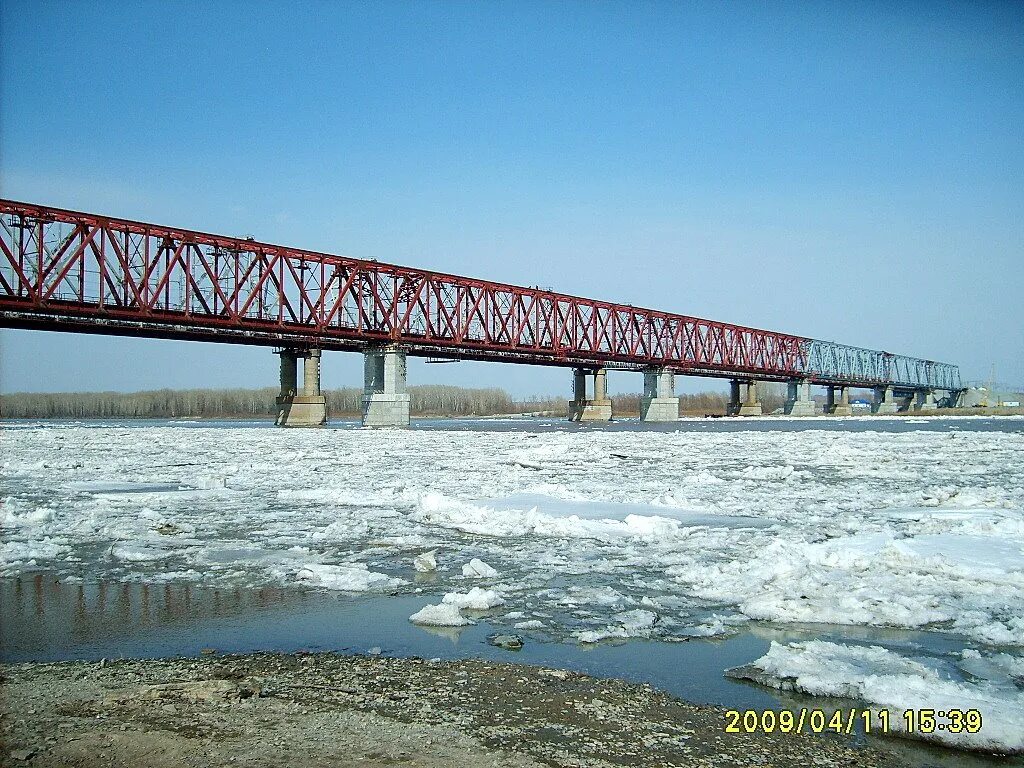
[(425, 562), (529, 624), (478, 569), (134, 553), (635, 623), (355, 577), (882, 678), (476, 599), (443, 615)]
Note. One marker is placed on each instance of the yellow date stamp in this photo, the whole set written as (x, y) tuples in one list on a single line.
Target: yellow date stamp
[(848, 721)]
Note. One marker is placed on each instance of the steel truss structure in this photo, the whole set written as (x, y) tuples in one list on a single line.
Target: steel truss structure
[(69, 271)]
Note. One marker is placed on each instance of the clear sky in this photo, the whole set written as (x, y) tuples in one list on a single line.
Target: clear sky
[(848, 171)]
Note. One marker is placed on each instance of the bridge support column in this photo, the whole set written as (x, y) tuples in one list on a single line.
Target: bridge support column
[(925, 400), (596, 408), (885, 401), (799, 402), (289, 372), (306, 408), (659, 402), (840, 407), (737, 393), (751, 405), (385, 401)]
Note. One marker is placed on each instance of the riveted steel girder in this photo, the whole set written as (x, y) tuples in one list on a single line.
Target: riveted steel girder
[(65, 270)]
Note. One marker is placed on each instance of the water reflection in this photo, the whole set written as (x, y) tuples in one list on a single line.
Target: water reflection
[(43, 617)]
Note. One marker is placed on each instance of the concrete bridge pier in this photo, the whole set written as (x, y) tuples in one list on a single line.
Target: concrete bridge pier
[(798, 402), (306, 407), (659, 402), (737, 393), (885, 401), (840, 407), (925, 400), (596, 408), (750, 405), (385, 400)]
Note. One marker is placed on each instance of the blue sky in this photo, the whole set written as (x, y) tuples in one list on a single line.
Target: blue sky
[(843, 171)]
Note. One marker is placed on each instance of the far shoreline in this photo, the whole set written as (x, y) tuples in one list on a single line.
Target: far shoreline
[(350, 416)]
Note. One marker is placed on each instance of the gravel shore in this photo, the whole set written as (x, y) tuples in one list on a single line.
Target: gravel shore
[(331, 710)]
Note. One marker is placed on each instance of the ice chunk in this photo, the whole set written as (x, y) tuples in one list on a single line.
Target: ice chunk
[(597, 635), (476, 599), (531, 624), (11, 517), (478, 569), (768, 473), (20, 552), (605, 597), (885, 679), (635, 623), (426, 562), (981, 552), (713, 627), (341, 496), (998, 667), (352, 577), (703, 477), (135, 553), (540, 515), (443, 615)]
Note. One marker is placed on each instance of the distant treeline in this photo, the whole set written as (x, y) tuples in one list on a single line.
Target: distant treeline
[(260, 403), (702, 403), (240, 403)]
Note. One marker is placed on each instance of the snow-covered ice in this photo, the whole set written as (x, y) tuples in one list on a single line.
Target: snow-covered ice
[(478, 569), (909, 529), (883, 679), (635, 623), (443, 615), (591, 532), (351, 578), (476, 599), (426, 561)]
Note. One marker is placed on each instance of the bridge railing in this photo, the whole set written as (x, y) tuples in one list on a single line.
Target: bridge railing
[(62, 266)]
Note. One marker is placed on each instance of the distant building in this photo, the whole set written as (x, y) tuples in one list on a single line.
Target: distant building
[(982, 397)]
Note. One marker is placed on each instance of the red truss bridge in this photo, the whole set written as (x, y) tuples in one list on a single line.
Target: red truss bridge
[(64, 270)]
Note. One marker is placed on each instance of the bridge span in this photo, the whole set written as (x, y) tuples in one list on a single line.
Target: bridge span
[(63, 270)]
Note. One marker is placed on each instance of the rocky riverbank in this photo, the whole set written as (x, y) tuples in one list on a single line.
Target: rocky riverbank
[(325, 709)]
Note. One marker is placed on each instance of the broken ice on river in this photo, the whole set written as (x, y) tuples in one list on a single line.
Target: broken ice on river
[(587, 535)]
